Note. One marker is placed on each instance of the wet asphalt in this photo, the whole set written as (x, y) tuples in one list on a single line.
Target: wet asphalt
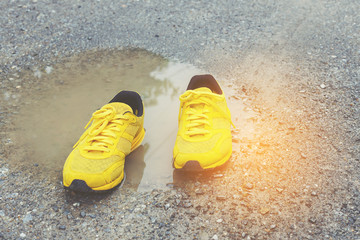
[(297, 63)]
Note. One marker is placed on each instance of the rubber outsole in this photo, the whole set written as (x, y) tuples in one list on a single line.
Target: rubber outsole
[(81, 186), (194, 165)]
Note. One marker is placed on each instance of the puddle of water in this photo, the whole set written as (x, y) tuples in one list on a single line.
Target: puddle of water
[(52, 120)]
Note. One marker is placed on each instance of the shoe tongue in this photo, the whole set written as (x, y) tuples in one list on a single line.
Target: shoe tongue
[(200, 90), (121, 107), (203, 90)]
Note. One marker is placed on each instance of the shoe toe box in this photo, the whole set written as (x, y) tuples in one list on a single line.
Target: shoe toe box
[(96, 173), (208, 155)]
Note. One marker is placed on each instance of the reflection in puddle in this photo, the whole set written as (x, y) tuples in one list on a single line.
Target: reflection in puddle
[(53, 119), (183, 178), (135, 165)]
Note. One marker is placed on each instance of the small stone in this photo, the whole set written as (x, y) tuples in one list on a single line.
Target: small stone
[(235, 196), (280, 190), (273, 226), (243, 235), (2, 214), (76, 204), (37, 73), (7, 96), (199, 191), (62, 227), (303, 155), (248, 186), (36, 164), (313, 193), (170, 185), (333, 56), (92, 215), (3, 171), (218, 175), (137, 209), (82, 214), (221, 198), (28, 217), (322, 86), (198, 207), (60, 82), (22, 235), (187, 205), (167, 206), (219, 220), (55, 208), (263, 144), (264, 210), (48, 69), (312, 220), (13, 195), (215, 237)]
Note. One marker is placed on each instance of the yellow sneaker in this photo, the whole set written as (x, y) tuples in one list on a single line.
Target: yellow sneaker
[(97, 160), (204, 138)]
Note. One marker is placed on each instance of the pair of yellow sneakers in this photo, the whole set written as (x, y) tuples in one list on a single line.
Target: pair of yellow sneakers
[(203, 140)]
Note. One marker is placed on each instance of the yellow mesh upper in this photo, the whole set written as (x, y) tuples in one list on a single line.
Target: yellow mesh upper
[(131, 129), (124, 145), (221, 123), (197, 147), (86, 165), (116, 173)]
